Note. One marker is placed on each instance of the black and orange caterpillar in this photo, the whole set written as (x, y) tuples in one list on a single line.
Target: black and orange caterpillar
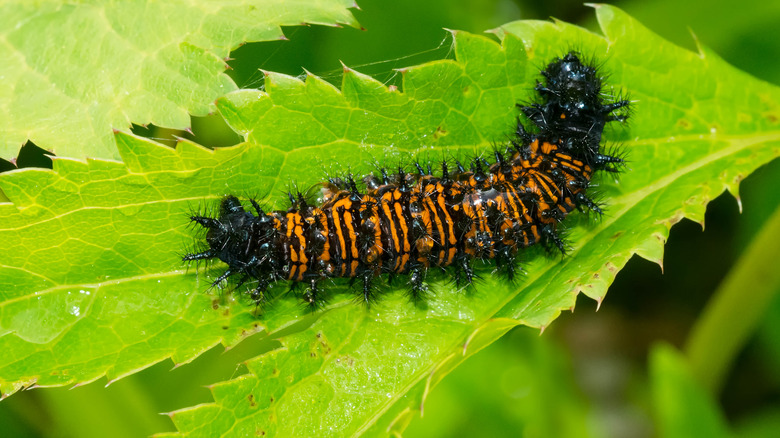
[(404, 223)]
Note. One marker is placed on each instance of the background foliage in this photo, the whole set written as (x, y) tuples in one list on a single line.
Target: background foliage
[(594, 365)]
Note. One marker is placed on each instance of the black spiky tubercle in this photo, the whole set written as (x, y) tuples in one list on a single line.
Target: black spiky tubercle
[(406, 223)]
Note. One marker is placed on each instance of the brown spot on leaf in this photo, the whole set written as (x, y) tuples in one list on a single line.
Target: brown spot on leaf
[(251, 398), (215, 304), (440, 132), (677, 217), (323, 343), (348, 361)]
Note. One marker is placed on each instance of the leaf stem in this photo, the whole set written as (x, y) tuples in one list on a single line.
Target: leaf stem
[(736, 308)]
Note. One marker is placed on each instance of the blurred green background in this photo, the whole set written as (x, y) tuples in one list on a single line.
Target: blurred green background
[(587, 375)]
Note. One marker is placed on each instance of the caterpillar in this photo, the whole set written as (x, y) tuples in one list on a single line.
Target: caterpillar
[(407, 222)]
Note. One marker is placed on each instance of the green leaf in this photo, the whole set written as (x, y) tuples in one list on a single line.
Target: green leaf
[(114, 230), (71, 72), (683, 408), (693, 136), (747, 29)]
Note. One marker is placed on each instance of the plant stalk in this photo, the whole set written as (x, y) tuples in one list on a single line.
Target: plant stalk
[(736, 308)]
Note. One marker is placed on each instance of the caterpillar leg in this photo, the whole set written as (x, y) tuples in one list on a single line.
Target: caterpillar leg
[(583, 201), (207, 222), (550, 235), (368, 291), (419, 289), (259, 295), (257, 208), (208, 254), (506, 260), (606, 109), (222, 278), (464, 272), (312, 295), (609, 163)]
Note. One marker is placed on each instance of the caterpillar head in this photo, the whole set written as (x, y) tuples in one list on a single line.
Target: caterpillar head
[(237, 237), (573, 85), (573, 111)]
